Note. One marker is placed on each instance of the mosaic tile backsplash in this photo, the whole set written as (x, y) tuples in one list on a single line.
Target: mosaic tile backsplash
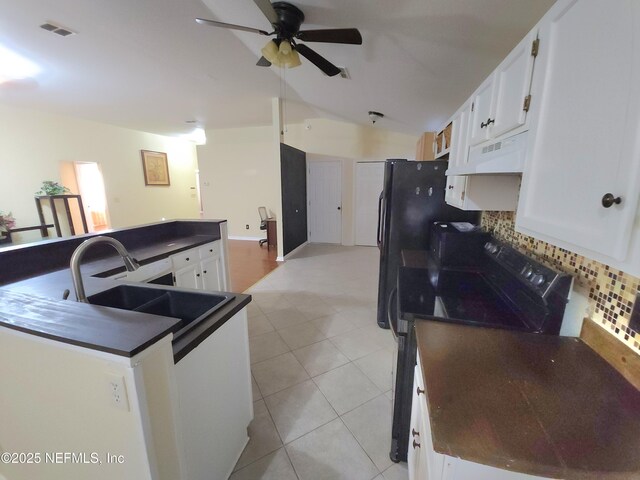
[(611, 291)]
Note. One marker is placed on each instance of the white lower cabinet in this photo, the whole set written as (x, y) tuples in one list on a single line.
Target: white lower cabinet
[(202, 268), (214, 401), (424, 463)]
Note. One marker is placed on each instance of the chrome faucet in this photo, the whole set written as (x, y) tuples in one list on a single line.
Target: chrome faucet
[(78, 253)]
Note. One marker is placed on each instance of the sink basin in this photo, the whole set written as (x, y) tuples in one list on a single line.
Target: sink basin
[(190, 307)]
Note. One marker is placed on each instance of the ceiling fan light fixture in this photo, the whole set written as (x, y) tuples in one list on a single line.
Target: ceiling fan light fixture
[(285, 48), (294, 59), (270, 52)]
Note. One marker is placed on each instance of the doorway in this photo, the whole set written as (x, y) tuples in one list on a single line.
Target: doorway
[(325, 201), (369, 183), (91, 188)]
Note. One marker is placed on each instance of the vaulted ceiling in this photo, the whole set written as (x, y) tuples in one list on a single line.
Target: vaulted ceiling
[(146, 64)]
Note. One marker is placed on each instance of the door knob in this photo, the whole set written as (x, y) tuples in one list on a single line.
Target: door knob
[(608, 200)]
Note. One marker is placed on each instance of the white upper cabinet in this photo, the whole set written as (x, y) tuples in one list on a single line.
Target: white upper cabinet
[(580, 183), (500, 104), (512, 84), (481, 112)]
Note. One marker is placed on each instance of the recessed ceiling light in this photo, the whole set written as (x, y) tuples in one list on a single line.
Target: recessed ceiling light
[(57, 29)]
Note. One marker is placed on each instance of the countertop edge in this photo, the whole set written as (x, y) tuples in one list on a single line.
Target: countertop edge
[(200, 333)]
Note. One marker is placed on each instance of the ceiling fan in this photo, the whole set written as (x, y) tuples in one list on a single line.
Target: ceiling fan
[(283, 50)]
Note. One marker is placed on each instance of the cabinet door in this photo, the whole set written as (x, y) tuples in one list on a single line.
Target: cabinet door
[(188, 277), (212, 274), (584, 139), (414, 453), (513, 79), (481, 112)]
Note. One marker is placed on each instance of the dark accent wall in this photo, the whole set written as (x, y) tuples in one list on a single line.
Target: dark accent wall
[(293, 173)]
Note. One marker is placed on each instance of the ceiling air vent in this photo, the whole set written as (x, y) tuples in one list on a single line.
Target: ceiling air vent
[(344, 73), (57, 29)]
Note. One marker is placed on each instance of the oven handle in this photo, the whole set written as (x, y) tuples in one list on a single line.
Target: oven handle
[(390, 302), (379, 231)]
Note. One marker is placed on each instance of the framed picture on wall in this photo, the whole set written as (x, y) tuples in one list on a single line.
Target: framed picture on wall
[(155, 167)]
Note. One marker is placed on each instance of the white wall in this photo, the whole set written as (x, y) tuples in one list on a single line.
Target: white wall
[(33, 145), (237, 176), (237, 173)]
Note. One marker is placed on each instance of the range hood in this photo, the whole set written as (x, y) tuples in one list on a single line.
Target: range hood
[(505, 156)]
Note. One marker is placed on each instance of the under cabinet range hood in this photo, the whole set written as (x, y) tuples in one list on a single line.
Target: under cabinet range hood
[(505, 156)]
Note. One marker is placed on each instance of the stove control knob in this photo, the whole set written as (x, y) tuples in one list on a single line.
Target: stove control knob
[(538, 280), (488, 246)]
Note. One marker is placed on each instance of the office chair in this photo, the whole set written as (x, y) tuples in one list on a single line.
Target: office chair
[(263, 223)]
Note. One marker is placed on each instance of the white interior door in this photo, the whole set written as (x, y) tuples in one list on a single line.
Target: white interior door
[(369, 182), (324, 197)]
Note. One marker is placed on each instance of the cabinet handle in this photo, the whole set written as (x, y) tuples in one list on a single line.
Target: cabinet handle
[(414, 433), (608, 200), (211, 250), (187, 259), (416, 445), (450, 187), (488, 122), (197, 274), (418, 391), (204, 272)]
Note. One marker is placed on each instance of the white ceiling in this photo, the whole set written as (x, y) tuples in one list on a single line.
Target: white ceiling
[(146, 64)]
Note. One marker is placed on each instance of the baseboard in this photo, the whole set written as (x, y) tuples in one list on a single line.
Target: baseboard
[(253, 239), (295, 250)]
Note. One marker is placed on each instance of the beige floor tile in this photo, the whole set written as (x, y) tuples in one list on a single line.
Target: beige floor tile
[(298, 410), (275, 466), (263, 436), (378, 366), (330, 453), (255, 391), (346, 388), (259, 324), (320, 357), (265, 346), (286, 317), (371, 425), (356, 343), (397, 471), (334, 324), (278, 373), (299, 336)]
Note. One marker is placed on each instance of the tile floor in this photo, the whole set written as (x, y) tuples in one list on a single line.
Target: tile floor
[(321, 371)]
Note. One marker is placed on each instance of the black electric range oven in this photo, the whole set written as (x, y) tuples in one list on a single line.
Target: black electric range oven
[(504, 289)]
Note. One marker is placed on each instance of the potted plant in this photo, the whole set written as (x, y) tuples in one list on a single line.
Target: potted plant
[(7, 222), (52, 188)]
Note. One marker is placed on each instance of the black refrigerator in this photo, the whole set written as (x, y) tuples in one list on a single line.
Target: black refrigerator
[(411, 200)]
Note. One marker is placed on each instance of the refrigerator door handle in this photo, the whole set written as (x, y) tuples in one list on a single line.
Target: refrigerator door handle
[(379, 233), (392, 306)]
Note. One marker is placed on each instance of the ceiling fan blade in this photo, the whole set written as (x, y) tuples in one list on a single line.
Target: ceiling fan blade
[(323, 64), (213, 23), (338, 35), (268, 10), (263, 62)]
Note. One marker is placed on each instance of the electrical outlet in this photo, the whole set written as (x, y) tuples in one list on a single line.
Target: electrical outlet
[(118, 391), (246, 226)]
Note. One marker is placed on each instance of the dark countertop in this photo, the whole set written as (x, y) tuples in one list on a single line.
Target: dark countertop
[(537, 404), (34, 305), (110, 330)]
